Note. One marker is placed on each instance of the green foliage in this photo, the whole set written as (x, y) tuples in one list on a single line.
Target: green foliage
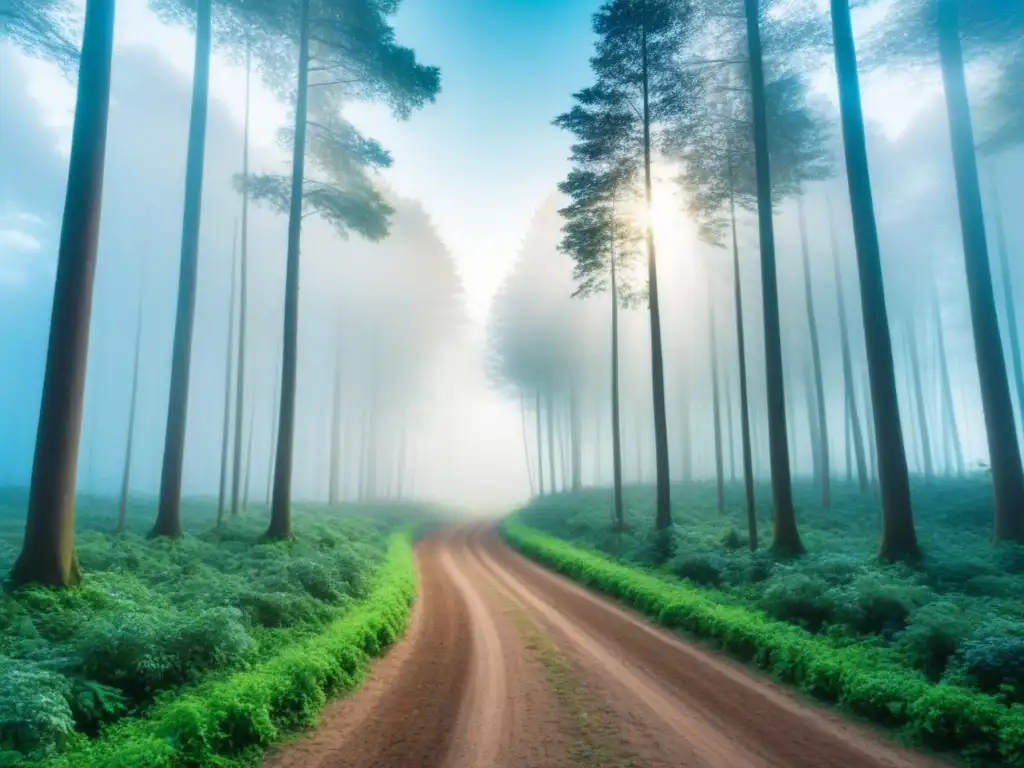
[(864, 679), (43, 28), (155, 617), (232, 721)]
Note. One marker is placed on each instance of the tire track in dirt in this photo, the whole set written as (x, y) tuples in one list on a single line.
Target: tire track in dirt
[(701, 710)]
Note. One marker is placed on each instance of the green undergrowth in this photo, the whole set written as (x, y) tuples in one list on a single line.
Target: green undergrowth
[(857, 660), (201, 650)]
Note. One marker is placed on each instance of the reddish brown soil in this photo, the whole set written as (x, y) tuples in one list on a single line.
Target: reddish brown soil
[(466, 687)]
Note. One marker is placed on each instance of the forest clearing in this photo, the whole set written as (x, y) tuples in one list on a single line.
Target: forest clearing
[(623, 383)]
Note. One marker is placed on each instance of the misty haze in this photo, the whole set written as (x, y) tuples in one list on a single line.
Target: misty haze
[(511, 384)]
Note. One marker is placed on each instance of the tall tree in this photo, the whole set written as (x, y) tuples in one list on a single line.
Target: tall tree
[(48, 550), (918, 391), (122, 508), (952, 432), (228, 367), (42, 28), (716, 407), (899, 538), (243, 298), (333, 495), (168, 521)]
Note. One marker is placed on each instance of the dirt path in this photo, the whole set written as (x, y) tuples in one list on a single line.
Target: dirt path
[(506, 665)]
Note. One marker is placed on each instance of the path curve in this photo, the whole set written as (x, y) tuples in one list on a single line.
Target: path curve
[(506, 665)]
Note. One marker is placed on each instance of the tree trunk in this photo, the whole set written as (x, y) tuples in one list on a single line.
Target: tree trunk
[(729, 431), (748, 464), (663, 515), (335, 469), (922, 418), (616, 426), (948, 411), (844, 340), (575, 440), (848, 435), (813, 424), (821, 412), (786, 537), (1008, 300), (168, 519), (899, 539), (716, 411), (686, 448), (526, 441), (403, 428), (243, 317), (1004, 452), (248, 458), (281, 510), (273, 422), (551, 440), (563, 447), (48, 552), (870, 422), (540, 448), (122, 509), (228, 360)]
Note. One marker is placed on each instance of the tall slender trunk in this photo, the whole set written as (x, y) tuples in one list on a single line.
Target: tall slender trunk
[(848, 435), (551, 439), (243, 313), (248, 458), (273, 422), (748, 463), (870, 422), (794, 444), (526, 440), (716, 404), (122, 509), (899, 539), (228, 361), (281, 510), (813, 424), (922, 417), (563, 447), (48, 551), (540, 448), (333, 491), (686, 446), (1004, 452), (168, 519), (575, 439), (911, 415), (729, 431), (616, 426), (844, 340), (663, 515), (819, 384), (1011, 310), (786, 538), (948, 411)]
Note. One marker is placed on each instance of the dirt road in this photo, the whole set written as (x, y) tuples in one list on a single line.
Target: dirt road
[(507, 665)]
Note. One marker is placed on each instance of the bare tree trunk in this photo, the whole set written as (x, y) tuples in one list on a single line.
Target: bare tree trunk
[(715, 404), (844, 339), (948, 411), (281, 510), (786, 537), (228, 361), (663, 515), (540, 449), (870, 422), (730, 443), (48, 551), (248, 458), (848, 434), (1004, 452), (335, 470), (551, 439), (813, 424), (616, 426), (122, 509), (748, 470), (899, 538), (819, 383), (243, 319), (922, 418), (168, 520), (575, 440), (686, 448), (273, 422), (526, 440)]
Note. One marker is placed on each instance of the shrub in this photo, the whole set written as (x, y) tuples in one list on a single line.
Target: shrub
[(996, 664), (933, 636), (800, 599), (35, 715)]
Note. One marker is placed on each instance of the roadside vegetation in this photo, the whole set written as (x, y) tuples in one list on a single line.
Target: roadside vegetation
[(184, 653), (936, 650)]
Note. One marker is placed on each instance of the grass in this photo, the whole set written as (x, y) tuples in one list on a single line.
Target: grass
[(937, 652), (187, 652)]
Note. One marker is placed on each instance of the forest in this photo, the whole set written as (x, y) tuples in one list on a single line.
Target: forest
[(752, 369)]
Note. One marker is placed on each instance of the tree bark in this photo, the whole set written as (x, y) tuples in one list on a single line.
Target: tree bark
[(663, 515), (786, 537), (748, 464), (243, 317), (922, 417), (821, 412), (575, 440), (716, 411), (813, 424), (248, 459), (168, 520), (526, 440), (540, 448), (729, 431), (1004, 452), (273, 422), (899, 538), (281, 509), (616, 426), (551, 439), (844, 339), (228, 360), (948, 411), (122, 509), (48, 551)]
